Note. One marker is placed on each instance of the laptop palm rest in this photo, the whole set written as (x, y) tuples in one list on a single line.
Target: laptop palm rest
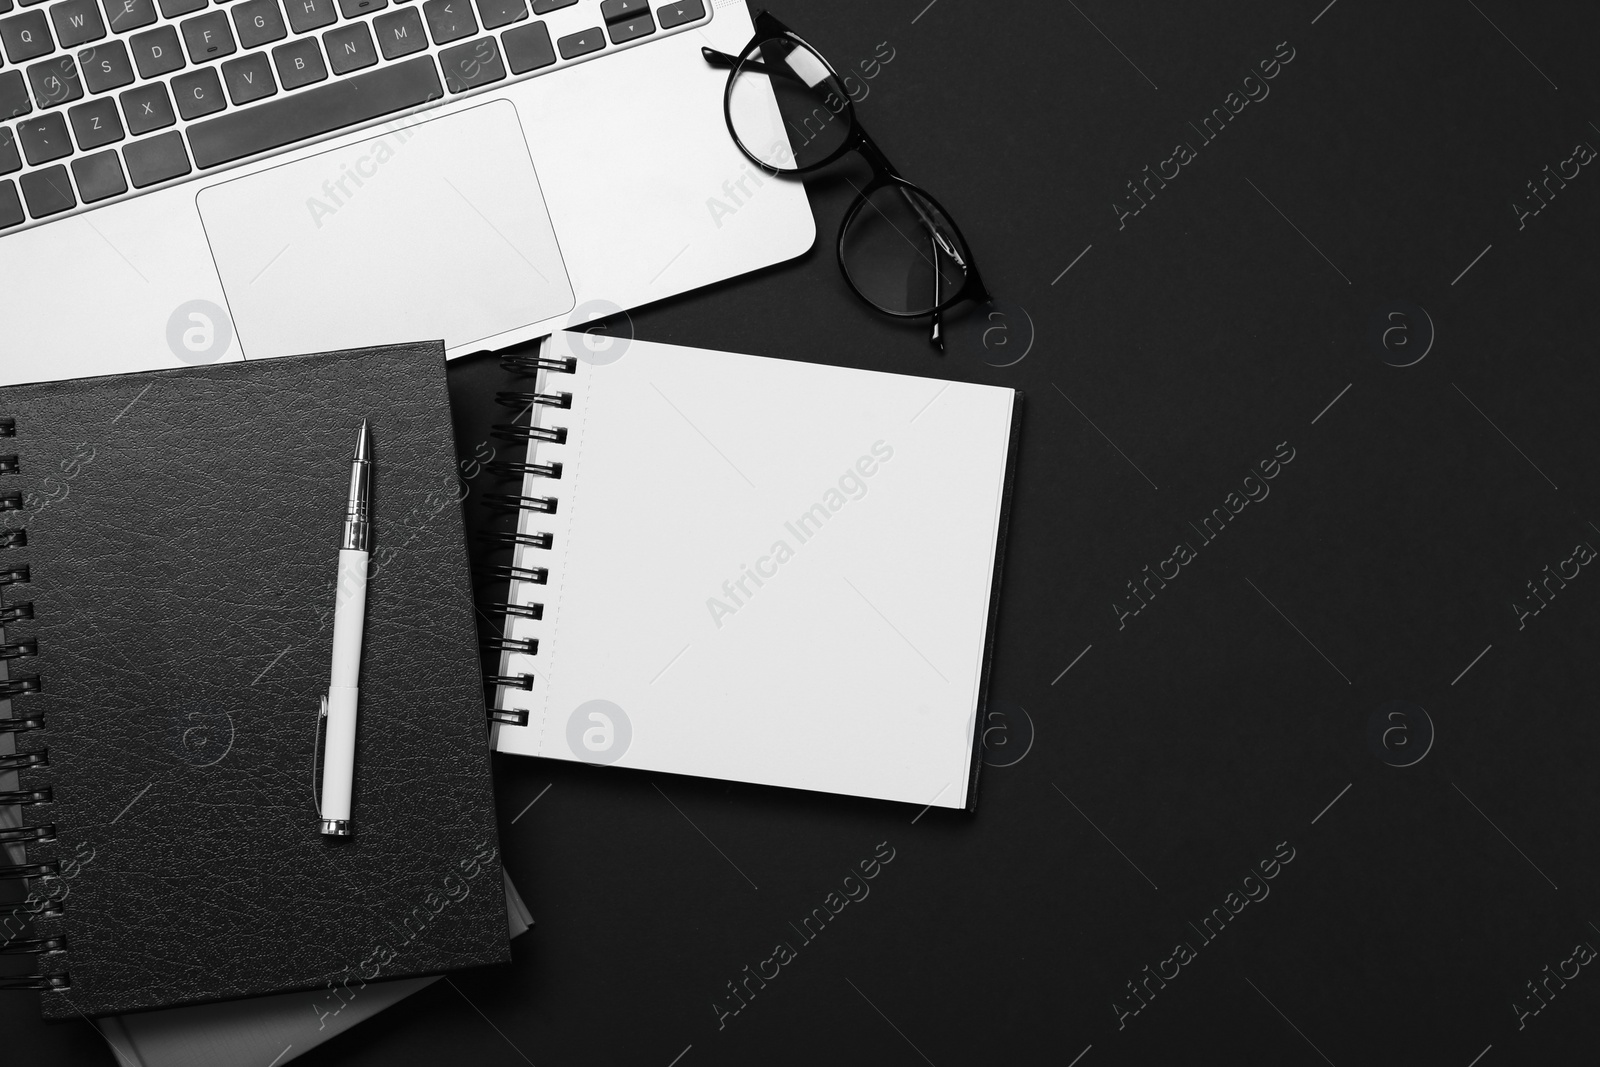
[(433, 229)]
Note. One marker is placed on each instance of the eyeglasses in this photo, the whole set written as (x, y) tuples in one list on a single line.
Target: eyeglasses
[(898, 248)]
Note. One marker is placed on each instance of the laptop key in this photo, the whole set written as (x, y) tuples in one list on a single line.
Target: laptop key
[(99, 177), (497, 13), (156, 159), (147, 108), (528, 48), (208, 37), (249, 78), (106, 66), (258, 23), (343, 102), (10, 206), (574, 45), (96, 124), (400, 33), (350, 48), (299, 63), (544, 7), (125, 15), (14, 99), (26, 36), (307, 15), (55, 82), (354, 9), (10, 159), (467, 66), (198, 93), (631, 30), (77, 22), (670, 15), (621, 10), (48, 192), (44, 138), (156, 52), (173, 8), (449, 20)]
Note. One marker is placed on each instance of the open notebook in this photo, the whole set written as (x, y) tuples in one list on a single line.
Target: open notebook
[(756, 569)]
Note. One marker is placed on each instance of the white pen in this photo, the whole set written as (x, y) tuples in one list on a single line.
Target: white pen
[(349, 619)]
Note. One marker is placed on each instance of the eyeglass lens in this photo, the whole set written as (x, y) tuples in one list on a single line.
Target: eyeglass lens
[(811, 119), (900, 251)]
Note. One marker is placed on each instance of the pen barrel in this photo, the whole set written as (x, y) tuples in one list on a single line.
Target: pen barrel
[(349, 617), (339, 758), (339, 742)]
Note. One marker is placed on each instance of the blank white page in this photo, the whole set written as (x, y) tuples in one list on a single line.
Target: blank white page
[(764, 571)]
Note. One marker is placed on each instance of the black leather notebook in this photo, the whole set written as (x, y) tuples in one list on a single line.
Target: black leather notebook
[(170, 555)]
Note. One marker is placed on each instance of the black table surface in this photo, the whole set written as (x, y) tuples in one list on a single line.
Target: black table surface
[(1310, 791)]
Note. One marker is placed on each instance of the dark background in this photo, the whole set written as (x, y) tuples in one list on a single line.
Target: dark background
[(1227, 716)]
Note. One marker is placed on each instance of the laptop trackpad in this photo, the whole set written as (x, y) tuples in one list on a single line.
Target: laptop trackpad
[(431, 230)]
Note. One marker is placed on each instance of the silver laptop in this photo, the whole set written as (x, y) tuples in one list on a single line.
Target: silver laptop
[(184, 183)]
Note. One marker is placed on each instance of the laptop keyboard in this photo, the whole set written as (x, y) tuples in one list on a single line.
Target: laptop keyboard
[(102, 99)]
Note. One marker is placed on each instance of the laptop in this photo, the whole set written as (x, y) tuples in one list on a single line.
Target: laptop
[(184, 183)]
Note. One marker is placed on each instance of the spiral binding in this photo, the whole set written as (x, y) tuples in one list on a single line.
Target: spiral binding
[(510, 539), (522, 430), (45, 909), (523, 400), (546, 504), (555, 435), (18, 723), (521, 363), (505, 468), (521, 611), (526, 646), (534, 575), (21, 835)]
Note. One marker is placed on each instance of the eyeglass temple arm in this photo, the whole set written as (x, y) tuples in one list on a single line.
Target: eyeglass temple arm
[(935, 231), (938, 241), (724, 61)]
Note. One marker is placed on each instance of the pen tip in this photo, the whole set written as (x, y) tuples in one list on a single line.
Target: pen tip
[(364, 442)]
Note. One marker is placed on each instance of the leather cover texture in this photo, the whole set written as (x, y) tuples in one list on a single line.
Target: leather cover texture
[(182, 542)]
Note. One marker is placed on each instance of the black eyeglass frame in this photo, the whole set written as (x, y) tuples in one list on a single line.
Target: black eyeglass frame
[(884, 175)]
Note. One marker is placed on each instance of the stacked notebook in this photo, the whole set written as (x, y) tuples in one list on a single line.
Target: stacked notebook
[(265, 1030), (168, 553), (754, 569)]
